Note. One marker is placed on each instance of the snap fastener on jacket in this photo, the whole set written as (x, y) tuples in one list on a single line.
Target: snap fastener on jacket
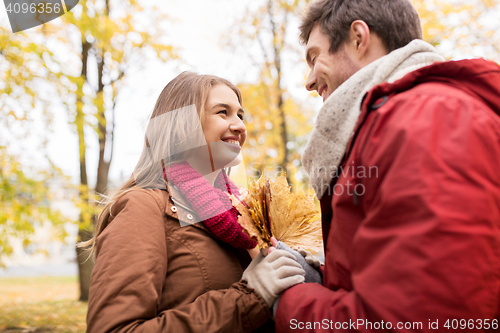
[(189, 216), (380, 102), (174, 209)]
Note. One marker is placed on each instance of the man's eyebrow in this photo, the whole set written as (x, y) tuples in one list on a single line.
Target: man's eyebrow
[(226, 106)]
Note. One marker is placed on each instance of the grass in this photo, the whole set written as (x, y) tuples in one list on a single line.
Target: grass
[(40, 305)]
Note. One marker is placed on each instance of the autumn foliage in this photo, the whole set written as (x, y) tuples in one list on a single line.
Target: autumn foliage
[(268, 209)]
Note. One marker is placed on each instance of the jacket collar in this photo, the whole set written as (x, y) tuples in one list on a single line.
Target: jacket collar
[(179, 209), (477, 77)]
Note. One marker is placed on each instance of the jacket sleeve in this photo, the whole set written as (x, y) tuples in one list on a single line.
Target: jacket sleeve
[(129, 274), (428, 247)]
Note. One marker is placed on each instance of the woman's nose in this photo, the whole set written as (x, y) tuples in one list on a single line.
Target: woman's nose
[(237, 125)]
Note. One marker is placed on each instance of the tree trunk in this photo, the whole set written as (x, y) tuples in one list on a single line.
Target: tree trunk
[(85, 266), (278, 41), (102, 132)]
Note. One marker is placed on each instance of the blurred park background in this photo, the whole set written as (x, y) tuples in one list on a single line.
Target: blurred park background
[(76, 93)]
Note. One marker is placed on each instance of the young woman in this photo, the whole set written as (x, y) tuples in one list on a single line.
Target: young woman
[(170, 254)]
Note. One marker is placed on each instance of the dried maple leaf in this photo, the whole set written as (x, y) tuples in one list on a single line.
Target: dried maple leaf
[(296, 222), (246, 221), (269, 209)]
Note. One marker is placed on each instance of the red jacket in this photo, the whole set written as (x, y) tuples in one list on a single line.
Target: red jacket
[(414, 237)]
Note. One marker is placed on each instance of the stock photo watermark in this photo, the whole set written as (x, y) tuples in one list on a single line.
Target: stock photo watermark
[(353, 186), (25, 14)]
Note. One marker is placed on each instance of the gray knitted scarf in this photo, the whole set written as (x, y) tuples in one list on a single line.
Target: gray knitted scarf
[(338, 116)]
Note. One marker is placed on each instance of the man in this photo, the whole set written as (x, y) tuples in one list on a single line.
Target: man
[(405, 159)]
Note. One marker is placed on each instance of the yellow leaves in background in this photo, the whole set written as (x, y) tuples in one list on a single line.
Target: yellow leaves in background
[(433, 28), (87, 204), (263, 138), (263, 147), (462, 28), (24, 203), (268, 209), (23, 69), (277, 123)]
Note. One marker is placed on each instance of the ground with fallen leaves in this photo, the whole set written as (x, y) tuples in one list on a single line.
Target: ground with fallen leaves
[(41, 305)]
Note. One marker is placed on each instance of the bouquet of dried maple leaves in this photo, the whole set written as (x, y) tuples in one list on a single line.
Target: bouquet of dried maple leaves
[(268, 209)]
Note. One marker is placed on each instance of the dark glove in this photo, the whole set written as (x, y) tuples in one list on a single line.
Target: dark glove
[(310, 259), (312, 274)]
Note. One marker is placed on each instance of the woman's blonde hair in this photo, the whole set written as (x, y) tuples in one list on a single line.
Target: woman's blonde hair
[(185, 93)]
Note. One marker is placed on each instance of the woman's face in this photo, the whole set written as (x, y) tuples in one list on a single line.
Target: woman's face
[(224, 117)]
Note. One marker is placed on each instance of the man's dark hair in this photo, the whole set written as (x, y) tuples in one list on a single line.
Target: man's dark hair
[(396, 22)]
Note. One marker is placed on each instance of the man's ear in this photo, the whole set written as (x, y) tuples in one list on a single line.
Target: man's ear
[(363, 45), (359, 39)]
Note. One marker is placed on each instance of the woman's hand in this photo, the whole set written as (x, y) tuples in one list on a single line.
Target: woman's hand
[(270, 249), (253, 252), (270, 276)]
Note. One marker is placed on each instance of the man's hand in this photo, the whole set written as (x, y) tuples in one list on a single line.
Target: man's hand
[(312, 274), (310, 259)]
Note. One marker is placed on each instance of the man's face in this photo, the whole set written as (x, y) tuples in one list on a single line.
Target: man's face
[(328, 71)]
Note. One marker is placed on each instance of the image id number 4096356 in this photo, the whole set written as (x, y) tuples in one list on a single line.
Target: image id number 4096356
[(40, 8), (25, 14), (463, 324)]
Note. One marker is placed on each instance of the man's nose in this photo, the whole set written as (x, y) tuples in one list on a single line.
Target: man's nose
[(311, 81)]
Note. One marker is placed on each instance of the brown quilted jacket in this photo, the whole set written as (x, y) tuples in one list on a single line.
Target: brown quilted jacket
[(152, 275)]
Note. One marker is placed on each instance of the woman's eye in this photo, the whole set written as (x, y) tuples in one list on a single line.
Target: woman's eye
[(222, 111), (241, 116)]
